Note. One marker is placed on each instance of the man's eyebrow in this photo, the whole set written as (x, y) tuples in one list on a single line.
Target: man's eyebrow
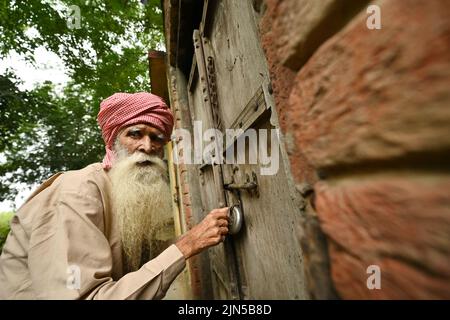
[(138, 129), (134, 129), (160, 135)]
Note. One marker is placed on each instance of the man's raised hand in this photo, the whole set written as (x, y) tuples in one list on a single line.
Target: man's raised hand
[(209, 232)]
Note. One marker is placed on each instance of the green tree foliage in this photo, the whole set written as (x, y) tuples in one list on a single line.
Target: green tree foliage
[(43, 131), (5, 218)]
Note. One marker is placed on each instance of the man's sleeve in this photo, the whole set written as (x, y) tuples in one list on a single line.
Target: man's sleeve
[(70, 257)]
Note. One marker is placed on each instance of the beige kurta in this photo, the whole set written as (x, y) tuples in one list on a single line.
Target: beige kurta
[(64, 244)]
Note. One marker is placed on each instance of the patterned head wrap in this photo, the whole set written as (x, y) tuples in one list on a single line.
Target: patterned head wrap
[(124, 109)]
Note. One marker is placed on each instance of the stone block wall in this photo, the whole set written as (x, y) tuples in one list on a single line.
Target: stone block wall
[(366, 118)]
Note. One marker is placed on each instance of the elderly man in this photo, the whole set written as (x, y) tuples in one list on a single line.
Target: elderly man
[(89, 234)]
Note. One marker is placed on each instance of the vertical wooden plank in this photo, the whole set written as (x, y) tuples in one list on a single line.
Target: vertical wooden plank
[(240, 62), (268, 254), (222, 256)]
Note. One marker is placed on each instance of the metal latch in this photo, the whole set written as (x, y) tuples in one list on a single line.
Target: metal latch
[(236, 218), (251, 185)]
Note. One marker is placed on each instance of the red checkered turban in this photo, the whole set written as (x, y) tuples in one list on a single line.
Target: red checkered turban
[(123, 109)]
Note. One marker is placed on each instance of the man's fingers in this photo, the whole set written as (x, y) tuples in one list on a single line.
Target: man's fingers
[(217, 231), (211, 231), (222, 222), (223, 230), (220, 213)]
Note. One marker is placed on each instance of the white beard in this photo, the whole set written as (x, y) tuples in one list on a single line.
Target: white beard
[(142, 201)]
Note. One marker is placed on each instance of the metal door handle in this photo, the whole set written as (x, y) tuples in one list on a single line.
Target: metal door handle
[(236, 218)]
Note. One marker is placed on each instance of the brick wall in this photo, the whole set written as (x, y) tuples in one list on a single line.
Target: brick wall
[(369, 130)]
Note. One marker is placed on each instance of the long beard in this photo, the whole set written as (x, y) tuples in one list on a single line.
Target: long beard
[(142, 201)]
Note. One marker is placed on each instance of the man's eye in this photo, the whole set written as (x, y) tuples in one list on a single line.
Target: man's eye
[(157, 138), (134, 134)]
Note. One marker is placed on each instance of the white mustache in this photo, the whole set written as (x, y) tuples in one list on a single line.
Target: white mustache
[(137, 159), (143, 158), (140, 157)]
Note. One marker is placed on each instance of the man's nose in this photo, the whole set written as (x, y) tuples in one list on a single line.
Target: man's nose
[(146, 145)]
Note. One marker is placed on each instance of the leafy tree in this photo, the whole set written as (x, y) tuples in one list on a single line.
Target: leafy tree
[(5, 218), (43, 131)]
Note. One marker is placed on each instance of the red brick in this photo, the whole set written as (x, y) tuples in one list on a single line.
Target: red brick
[(401, 224), (370, 95), (182, 168), (186, 199), (188, 215), (185, 188), (183, 176), (302, 25), (281, 77), (291, 31), (195, 276)]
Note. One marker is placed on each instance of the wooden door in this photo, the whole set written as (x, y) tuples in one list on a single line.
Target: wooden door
[(229, 88)]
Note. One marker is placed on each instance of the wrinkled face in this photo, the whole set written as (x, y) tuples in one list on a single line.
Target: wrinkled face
[(144, 138)]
